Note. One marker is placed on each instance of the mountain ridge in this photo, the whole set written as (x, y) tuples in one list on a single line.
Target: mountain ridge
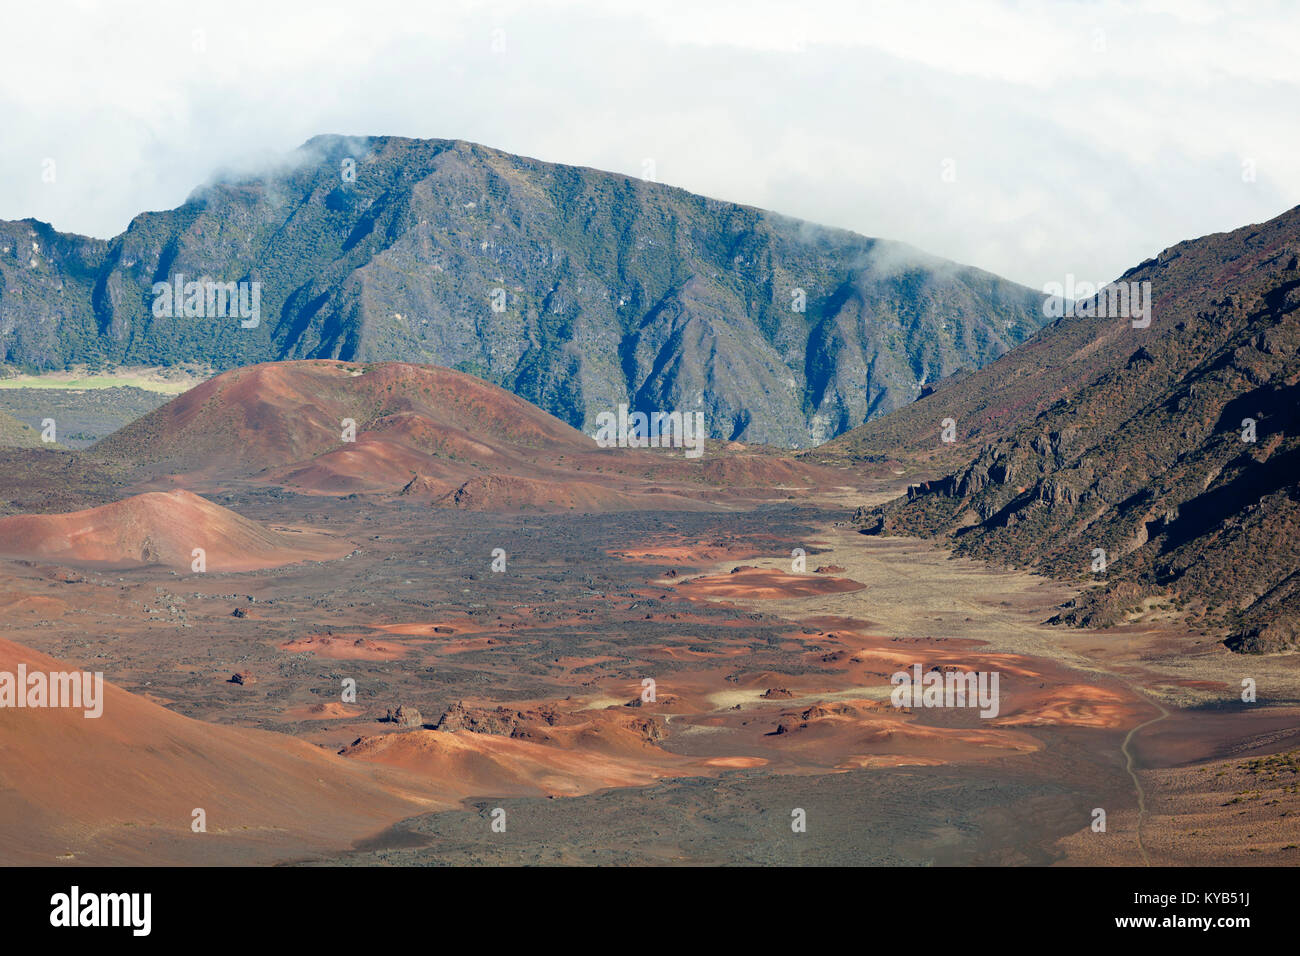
[(1170, 453), (576, 289)]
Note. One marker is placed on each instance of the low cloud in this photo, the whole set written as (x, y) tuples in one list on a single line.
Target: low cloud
[(1031, 142)]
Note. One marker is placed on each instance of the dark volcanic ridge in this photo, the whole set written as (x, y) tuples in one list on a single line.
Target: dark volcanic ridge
[(1161, 463)]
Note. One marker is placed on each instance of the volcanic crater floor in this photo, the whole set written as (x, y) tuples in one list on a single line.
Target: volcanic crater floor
[(525, 690)]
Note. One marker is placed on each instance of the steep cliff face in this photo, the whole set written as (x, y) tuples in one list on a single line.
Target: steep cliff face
[(576, 289), (47, 282), (1174, 457)]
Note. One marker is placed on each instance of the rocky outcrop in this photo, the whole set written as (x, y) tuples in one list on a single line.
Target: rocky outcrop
[(1274, 637), (404, 716), (1160, 463)]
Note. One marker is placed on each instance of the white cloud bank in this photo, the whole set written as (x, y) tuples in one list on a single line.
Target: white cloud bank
[(1029, 140)]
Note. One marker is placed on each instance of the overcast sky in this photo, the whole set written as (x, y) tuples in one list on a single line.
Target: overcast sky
[(1032, 140)]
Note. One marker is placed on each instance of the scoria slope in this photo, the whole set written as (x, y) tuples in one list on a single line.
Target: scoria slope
[(428, 434), (273, 414), (123, 787), (161, 528)]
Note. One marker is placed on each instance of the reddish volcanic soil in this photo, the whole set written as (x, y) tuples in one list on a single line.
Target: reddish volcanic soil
[(427, 433), (162, 528), (279, 413), (368, 466), (772, 688), (123, 787), (331, 711), (491, 493), (590, 751), (344, 648), (760, 584)]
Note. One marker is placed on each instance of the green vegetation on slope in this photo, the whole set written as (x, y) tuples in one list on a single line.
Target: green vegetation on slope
[(606, 289)]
